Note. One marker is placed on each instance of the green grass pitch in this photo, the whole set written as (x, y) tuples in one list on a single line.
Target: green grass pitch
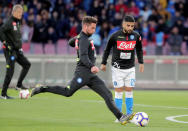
[(86, 111)]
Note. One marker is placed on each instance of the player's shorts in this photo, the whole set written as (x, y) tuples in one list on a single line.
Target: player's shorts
[(123, 77)]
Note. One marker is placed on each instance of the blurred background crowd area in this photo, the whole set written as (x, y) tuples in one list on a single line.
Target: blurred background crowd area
[(48, 24)]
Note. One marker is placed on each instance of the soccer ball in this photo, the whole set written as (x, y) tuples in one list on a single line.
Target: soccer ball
[(141, 119), (24, 94)]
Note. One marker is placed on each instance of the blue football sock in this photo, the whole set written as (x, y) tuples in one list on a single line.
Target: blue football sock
[(129, 105), (118, 103)]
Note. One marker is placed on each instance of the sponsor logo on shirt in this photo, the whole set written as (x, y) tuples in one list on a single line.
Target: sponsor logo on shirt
[(126, 45)]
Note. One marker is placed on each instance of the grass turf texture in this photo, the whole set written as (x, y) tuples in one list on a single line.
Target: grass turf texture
[(86, 111)]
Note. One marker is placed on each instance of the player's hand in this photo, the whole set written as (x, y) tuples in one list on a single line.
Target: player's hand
[(94, 69), (141, 68), (103, 67), (21, 51), (6, 46)]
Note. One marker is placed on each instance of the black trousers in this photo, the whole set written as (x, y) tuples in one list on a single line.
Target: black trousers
[(12, 57), (82, 78)]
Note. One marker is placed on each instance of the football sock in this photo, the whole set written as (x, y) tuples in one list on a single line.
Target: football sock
[(129, 102), (119, 100)]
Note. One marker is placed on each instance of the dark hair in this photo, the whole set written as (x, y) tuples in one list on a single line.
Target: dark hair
[(129, 18), (89, 20)]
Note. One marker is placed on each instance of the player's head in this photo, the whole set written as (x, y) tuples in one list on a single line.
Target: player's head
[(128, 23), (17, 11), (89, 24)]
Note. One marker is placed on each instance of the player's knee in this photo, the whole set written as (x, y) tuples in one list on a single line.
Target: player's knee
[(119, 89), (108, 96), (9, 76), (128, 89), (129, 94), (69, 94), (28, 65)]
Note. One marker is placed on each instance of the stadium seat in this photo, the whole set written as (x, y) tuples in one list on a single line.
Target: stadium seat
[(166, 49), (71, 50), (26, 47), (49, 48), (62, 46), (37, 48), (184, 48)]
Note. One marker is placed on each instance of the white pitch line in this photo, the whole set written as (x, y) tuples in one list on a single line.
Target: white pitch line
[(172, 118), (169, 107), (143, 105)]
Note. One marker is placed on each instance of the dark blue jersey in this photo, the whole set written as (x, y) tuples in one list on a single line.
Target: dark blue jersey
[(123, 47)]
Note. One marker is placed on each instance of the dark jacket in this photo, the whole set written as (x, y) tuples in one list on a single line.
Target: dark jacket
[(10, 32)]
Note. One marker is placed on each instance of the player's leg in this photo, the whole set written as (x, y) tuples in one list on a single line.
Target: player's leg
[(76, 83), (24, 62), (10, 63), (118, 98), (129, 100), (100, 88), (129, 84), (118, 83)]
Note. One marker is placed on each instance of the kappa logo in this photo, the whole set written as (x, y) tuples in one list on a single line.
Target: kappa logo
[(126, 45), (121, 37)]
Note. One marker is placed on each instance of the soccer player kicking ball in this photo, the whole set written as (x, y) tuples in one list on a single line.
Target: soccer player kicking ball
[(85, 73), (123, 44)]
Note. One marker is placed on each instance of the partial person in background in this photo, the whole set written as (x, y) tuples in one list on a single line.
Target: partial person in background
[(97, 42), (175, 41), (52, 37), (12, 47)]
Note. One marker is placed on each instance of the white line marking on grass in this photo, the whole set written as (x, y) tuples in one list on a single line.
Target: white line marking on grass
[(143, 105), (169, 107), (172, 118)]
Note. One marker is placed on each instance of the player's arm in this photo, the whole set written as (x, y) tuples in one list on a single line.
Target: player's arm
[(139, 53), (106, 53), (83, 52), (71, 42), (4, 28)]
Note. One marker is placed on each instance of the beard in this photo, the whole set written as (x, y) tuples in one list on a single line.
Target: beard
[(127, 31), (89, 34)]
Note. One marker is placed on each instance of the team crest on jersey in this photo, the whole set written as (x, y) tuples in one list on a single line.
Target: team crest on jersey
[(79, 80), (131, 37)]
